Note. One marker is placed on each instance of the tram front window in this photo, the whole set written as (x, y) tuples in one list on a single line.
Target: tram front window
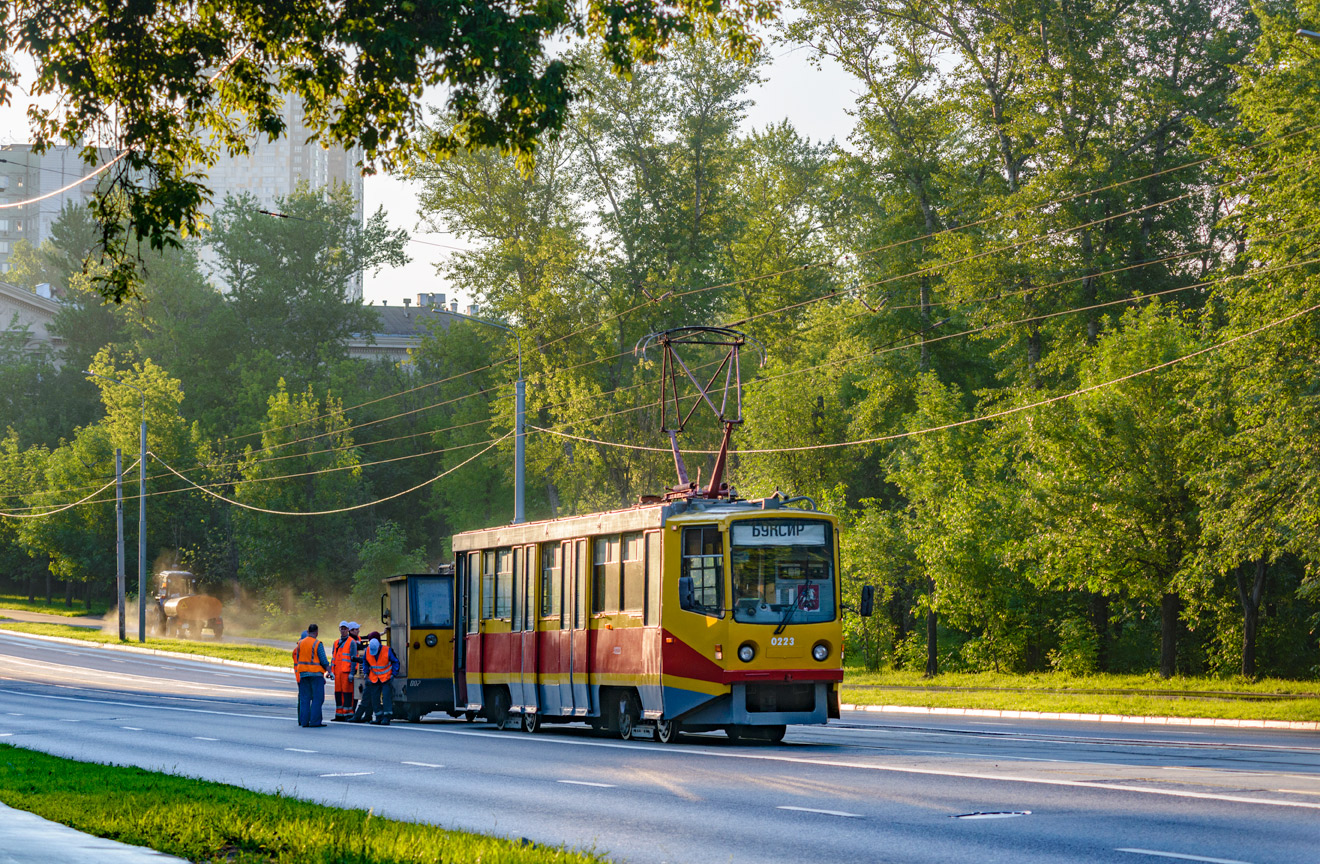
[(778, 563)]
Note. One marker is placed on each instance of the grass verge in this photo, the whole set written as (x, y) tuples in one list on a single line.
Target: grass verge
[(212, 822), (20, 602), (262, 654), (1132, 695)]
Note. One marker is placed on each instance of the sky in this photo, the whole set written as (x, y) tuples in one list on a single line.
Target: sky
[(815, 100)]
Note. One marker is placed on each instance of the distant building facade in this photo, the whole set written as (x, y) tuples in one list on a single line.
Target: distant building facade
[(400, 329), (26, 174), (271, 170), (21, 308)]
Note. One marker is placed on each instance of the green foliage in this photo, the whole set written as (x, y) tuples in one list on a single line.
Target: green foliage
[(383, 556), (214, 77)]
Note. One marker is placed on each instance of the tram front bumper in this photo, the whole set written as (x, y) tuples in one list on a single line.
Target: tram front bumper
[(770, 703)]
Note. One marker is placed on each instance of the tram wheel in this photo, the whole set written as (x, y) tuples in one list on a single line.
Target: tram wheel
[(531, 722), (499, 708), (470, 716), (773, 734), (414, 714), (666, 731), (627, 718)]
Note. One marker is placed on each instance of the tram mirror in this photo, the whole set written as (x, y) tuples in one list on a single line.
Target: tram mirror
[(867, 606), (685, 598), (384, 611)]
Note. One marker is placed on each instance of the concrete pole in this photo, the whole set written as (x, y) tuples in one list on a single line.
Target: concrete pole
[(119, 538), (142, 528)]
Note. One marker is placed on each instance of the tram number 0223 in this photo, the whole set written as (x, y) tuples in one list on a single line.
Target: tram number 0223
[(781, 640)]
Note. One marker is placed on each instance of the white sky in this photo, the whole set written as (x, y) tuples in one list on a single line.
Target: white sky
[(815, 101)]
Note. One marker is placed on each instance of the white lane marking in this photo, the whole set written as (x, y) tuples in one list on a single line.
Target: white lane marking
[(422, 764), (823, 812), (70, 720), (1008, 814), (1183, 857), (132, 728), (201, 738), (585, 783), (298, 750), (662, 748), (893, 769), (5, 734), (15, 714), (1300, 791), (349, 774)]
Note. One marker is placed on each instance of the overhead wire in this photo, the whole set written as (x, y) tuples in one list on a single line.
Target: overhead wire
[(981, 418)]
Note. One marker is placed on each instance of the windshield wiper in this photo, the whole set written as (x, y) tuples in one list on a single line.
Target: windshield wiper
[(788, 616)]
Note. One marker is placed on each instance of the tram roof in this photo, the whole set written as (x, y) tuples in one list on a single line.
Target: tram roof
[(636, 518)]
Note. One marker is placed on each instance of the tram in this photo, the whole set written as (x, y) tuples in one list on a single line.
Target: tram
[(692, 614)]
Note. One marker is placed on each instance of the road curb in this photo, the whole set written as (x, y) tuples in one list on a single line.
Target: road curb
[(1304, 725), (133, 649)]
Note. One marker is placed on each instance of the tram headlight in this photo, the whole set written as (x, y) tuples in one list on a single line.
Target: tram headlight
[(820, 651), (431, 640), (746, 652)]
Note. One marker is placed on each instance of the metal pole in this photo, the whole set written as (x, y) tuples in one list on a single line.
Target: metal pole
[(519, 452), (119, 537), (142, 528)]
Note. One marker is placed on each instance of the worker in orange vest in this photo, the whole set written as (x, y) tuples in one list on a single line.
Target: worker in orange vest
[(310, 667), (382, 664), (343, 656)]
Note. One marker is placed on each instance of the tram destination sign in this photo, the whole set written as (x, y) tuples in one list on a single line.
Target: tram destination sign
[(766, 533)]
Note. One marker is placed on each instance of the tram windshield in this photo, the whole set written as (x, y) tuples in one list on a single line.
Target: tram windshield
[(778, 563)]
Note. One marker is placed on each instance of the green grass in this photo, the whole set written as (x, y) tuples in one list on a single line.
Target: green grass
[(203, 821), (263, 654), (20, 602), (1133, 695)]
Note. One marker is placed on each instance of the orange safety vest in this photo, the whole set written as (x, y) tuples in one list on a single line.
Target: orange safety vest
[(340, 662), (379, 666), (305, 658)]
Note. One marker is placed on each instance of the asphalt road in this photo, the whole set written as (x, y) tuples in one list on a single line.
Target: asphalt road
[(862, 789)]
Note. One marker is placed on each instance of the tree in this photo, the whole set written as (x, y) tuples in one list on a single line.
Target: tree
[(289, 278), (171, 84)]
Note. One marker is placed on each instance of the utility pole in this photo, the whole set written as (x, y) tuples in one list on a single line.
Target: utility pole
[(142, 506), (119, 537)]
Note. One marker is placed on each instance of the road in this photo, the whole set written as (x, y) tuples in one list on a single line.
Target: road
[(863, 789)]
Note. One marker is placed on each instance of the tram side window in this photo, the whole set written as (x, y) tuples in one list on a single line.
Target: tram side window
[(488, 584), (634, 574), (703, 561), (503, 583), (552, 586), (605, 575)]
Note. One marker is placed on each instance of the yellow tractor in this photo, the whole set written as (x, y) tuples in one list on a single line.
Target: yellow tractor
[(181, 611)]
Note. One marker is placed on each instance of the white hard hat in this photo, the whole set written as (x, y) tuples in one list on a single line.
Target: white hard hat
[(343, 623), (353, 625)]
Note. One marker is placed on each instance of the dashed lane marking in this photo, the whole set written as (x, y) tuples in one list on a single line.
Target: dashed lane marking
[(202, 738), (822, 812), (1300, 791), (5, 734), (15, 714), (70, 719), (298, 750), (586, 783), (132, 728), (423, 764), (1182, 857), (348, 774)]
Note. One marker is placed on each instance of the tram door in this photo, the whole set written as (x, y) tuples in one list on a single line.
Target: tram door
[(526, 609), (472, 657), (579, 650)]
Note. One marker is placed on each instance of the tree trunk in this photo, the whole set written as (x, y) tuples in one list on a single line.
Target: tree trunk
[(68, 593), (87, 596), (1250, 599), (932, 644), (1169, 608), (1100, 621), (32, 591), (48, 588)]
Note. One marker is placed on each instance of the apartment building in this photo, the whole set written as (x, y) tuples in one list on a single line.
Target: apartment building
[(26, 174)]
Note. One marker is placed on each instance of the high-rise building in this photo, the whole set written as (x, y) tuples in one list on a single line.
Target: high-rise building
[(26, 174), (274, 169)]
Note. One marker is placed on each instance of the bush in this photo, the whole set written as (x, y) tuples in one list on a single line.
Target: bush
[(1079, 648)]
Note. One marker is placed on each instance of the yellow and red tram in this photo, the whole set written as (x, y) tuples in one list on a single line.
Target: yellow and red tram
[(696, 614)]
